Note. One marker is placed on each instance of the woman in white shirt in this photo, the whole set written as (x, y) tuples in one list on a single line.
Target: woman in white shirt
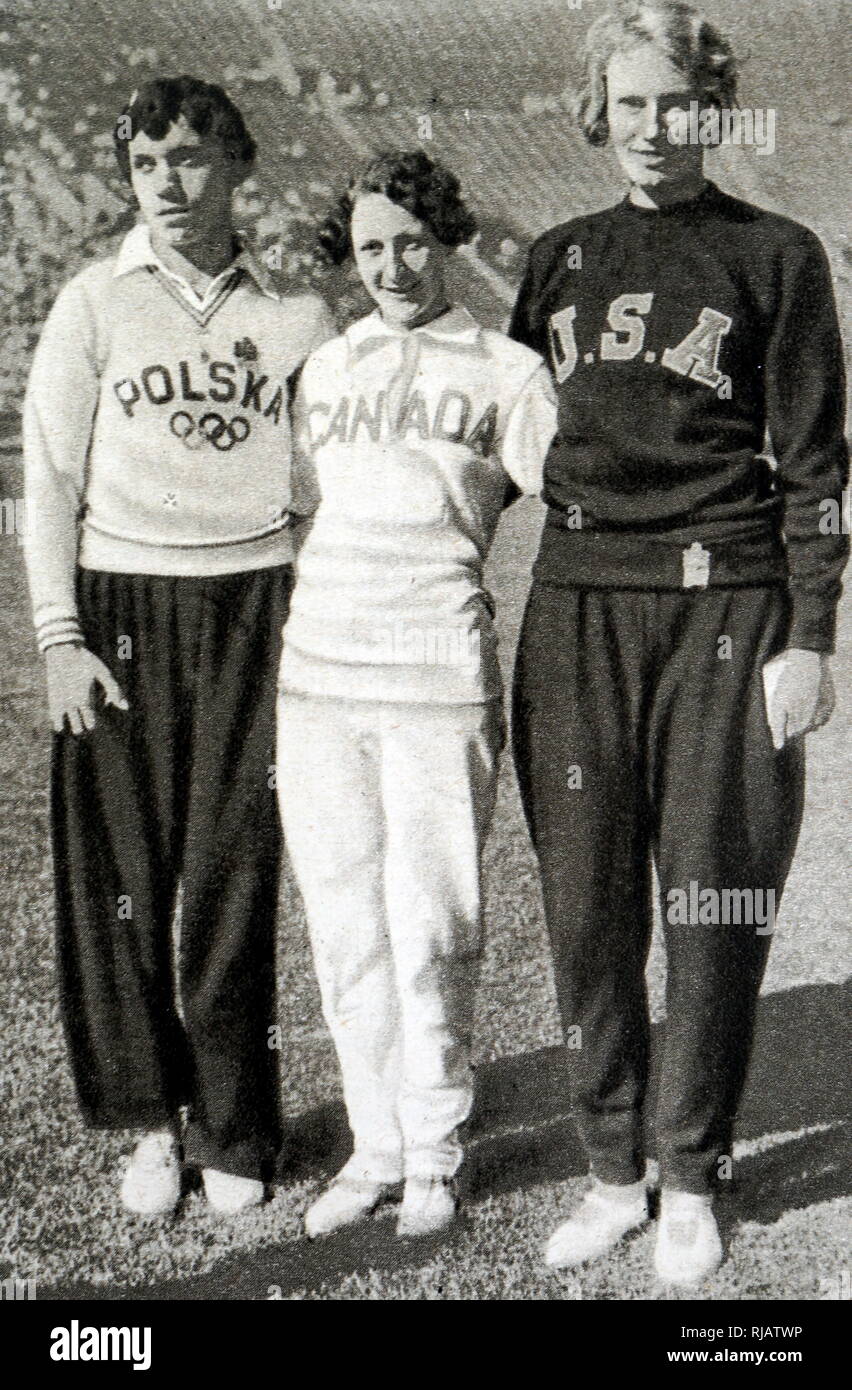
[(413, 429)]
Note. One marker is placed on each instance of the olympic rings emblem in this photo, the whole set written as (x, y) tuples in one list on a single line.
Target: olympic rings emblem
[(212, 428)]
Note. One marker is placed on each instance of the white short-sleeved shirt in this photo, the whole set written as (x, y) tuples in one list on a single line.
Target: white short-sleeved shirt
[(405, 443)]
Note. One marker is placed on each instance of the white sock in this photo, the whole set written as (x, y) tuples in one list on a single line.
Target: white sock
[(622, 1194)]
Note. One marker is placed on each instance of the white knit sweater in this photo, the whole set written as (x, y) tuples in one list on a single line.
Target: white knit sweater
[(405, 443), (156, 427)]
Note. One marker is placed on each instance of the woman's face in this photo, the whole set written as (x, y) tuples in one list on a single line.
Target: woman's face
[(648, 102), (183, 184), (400, 261)]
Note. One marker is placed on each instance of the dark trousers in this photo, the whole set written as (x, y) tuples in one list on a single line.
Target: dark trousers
[(675, 762), (176, 791)]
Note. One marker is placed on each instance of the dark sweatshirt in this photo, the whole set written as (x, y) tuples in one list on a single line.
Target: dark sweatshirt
[(677, 339)]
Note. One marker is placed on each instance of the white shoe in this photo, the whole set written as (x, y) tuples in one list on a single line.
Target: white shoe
[(605, 1215), (151, 1185), (689, 1247), (229, 1194), (429, 1205), (349, 1198)]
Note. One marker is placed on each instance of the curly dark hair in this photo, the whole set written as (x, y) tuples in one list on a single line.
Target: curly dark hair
[(208, 110), (415, 182)]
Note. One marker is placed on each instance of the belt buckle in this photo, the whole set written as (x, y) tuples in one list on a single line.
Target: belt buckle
[(696, 566)]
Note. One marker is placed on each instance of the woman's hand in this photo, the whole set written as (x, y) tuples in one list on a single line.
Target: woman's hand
[(72, 673), (799, 693)]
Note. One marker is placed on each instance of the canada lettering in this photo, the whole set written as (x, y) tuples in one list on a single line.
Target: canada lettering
[(348, 420), (224, 383)]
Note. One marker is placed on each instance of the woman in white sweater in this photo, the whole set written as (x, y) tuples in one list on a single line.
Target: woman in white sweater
[(156, 456), (413, 429)]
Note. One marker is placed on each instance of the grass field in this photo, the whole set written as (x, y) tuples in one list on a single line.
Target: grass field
[(788, 1218), (320, 85)]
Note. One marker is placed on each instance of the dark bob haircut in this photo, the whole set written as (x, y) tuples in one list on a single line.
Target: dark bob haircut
[(208, 110), (415, 182)]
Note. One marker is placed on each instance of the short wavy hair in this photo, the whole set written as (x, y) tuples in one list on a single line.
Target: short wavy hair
[(207, 108), (692, 44), (421, 185)]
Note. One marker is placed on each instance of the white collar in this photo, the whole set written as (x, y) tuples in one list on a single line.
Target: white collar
[(456, 325), (137, 253)]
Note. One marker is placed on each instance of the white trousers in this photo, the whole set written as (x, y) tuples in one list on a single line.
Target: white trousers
[(385, 809)]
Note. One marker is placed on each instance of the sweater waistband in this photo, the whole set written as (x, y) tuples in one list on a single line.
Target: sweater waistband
[(636, 560), (100, 551)]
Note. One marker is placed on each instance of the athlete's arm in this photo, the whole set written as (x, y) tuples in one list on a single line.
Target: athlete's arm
[(59, 411), (529, 432), (527, 325), (805, 405), (304, 483), (805, 393)]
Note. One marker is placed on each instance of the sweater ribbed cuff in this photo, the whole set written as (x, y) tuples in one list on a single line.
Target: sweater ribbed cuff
[(54, 632), (812, 631)]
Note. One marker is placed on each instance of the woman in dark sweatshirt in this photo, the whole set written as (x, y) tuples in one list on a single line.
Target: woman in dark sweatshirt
[(676, 643)]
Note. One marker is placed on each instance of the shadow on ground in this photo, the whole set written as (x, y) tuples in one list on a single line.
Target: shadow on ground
[(521, 1135)]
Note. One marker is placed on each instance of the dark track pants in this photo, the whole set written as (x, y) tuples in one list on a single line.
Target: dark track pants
[(677, 762), (176, 790)]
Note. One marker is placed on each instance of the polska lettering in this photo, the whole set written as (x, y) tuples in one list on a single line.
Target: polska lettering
[(696, 357), (450, 422), (76, 1343), (226, 383)]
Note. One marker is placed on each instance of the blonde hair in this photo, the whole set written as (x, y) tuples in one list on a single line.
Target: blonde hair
[(692, 44)]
